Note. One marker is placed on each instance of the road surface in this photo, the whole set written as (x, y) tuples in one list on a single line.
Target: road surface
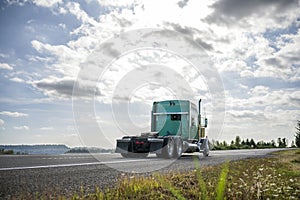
[(62, 174)]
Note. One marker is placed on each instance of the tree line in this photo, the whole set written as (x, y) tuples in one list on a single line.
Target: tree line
[(238, 143), (251, 144), (6, 152)]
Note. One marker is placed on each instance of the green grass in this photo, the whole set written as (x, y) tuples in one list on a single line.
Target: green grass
[(276, 177), (222, 182)]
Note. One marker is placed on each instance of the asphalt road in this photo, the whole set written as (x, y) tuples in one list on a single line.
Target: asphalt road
[(62, 174)]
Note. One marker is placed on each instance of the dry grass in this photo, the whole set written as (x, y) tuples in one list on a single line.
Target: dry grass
[(290, 157)]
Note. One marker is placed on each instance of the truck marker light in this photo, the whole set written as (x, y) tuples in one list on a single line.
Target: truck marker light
[(138, 142)]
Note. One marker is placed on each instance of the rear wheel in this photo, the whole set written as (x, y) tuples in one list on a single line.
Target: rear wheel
[(169, 149), (179, 148)]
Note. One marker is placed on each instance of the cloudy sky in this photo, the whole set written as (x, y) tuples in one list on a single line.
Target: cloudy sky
[(55, 88)]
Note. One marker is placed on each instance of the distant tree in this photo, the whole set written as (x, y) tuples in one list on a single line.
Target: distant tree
[(279, 142), (293, 144), (297, 136), (252, 143), (9, 152), (284, 142), (273, 144), (237, 141), (243, 142), (247, 142), (260, 143)]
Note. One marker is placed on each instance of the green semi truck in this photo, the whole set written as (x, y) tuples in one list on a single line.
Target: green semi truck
[(176, 127)]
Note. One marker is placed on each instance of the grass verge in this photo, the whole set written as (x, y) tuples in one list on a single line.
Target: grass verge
[(276, 177)]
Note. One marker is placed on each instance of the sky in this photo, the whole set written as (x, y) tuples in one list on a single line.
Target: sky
[(83, 73)]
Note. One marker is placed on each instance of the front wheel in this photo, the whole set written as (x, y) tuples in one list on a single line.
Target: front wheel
[(205, 153), (206, 149)]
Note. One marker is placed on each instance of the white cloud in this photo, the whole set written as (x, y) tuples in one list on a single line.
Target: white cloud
[(115, 3), (75, 9), (244, 14), (25, 128), (284, 63), (259, 90), (62, 25), (55, 87), (18, 80), (3, 55), (261, 97), (13, 114), (67, 59), (233, 65), (16, 2), (62, 11), (255, 115), (47, 3), (2, 122), (243, 86), (5, 66), (266, 124), (246, 73), (47, 128)]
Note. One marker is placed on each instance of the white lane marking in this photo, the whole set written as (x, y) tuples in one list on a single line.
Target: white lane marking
[(55, 158), (71, 165)]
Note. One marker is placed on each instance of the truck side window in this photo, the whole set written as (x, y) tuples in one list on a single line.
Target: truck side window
[(176, 117)]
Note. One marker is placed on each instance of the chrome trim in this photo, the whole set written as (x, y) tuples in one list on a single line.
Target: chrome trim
[(172, 113)]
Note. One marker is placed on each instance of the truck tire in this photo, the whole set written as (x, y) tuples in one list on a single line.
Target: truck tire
[(206, 149), (205, 153), (169, 150), (179, 148)]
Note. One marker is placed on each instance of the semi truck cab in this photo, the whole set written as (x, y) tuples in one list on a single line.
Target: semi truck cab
[(176, 128)]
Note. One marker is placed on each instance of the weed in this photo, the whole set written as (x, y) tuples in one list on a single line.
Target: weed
[(295, 161), (170, 187), (222, 182), (202, 186)]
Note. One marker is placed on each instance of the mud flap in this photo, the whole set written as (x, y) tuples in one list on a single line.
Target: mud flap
[(156, 145), (123, 146)]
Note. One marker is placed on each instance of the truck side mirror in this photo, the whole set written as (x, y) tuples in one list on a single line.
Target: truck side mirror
[(205, 123)]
